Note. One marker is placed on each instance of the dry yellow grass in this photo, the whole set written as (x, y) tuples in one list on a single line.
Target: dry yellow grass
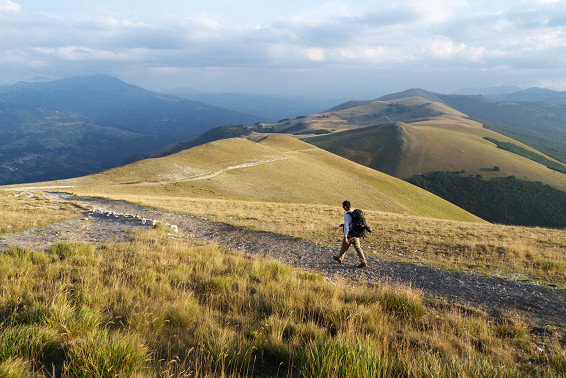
[(164, 307), (441, 145), (536, 254), (20, 210)]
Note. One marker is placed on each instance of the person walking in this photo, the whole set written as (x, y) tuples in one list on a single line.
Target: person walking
[(350, 238)]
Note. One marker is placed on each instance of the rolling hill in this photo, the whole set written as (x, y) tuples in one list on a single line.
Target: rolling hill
[(264, 168), (415, 133), (532, 116), (407, 134), (426, 136), (73, 127)]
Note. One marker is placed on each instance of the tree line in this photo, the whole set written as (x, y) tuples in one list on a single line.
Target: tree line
[(506, 200)]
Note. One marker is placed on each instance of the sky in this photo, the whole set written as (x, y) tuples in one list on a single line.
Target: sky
[(357, 49)]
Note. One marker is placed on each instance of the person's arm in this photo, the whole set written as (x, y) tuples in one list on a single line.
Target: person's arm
[(347, 223)]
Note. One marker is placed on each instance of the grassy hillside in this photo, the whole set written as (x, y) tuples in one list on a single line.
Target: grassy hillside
[(440, 139), (540, 125), (169, 305), (378, 147), (273, 168), (164, 305)]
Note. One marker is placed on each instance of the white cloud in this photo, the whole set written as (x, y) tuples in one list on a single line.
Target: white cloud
[(437, 11), (9, 6), (77, 53), (443, 47), (349, 35)]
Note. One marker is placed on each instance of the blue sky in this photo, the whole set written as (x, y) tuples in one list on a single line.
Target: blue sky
[(356, 49)]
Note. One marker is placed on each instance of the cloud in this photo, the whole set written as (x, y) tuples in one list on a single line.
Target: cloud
[(347, 36), (443, 47), (9, 6)]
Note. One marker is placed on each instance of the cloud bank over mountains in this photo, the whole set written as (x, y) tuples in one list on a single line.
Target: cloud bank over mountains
[(314, 47)]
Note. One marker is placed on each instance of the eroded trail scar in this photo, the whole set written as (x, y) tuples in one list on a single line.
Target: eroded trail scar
[(108, 219)]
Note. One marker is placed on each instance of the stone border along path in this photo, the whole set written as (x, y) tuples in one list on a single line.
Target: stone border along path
[(108, 220)]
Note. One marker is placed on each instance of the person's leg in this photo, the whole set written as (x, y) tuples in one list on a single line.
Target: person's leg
[(358, 248), (343, 250)]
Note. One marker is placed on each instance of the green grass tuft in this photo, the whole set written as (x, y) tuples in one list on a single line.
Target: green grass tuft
[(106, 354), (15, 367), (343, 358), (31, 342)]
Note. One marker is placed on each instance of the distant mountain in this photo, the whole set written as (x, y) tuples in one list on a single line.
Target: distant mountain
[(491, 91), (72, 127), (111, 102), (267, 107), (532, 95), (516, 94)]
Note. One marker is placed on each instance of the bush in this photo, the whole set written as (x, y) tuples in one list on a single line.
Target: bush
[(403, 304)]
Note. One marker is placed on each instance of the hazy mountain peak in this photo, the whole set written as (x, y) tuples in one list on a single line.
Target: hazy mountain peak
[(413, 92)]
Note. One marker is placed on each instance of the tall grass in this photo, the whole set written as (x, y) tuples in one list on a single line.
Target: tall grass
[(171, 307)]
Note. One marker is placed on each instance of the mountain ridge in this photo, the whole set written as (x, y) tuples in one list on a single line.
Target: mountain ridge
[(78, 126)]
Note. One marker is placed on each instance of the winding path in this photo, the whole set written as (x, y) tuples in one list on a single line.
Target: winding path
[(109, 219)]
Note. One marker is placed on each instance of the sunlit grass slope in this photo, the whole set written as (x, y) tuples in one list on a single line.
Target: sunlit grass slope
[(438, 139), (165, 307), (275, 168), (436, 145)]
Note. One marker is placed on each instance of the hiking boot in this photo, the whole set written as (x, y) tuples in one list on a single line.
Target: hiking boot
[(337, 259), (362, 265)]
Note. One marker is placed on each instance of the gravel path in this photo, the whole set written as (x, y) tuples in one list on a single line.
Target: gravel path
[(109, 219)]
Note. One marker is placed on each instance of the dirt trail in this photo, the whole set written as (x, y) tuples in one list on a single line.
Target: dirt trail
[(109, 219)]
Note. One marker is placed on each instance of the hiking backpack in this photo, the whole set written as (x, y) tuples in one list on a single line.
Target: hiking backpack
[(359, 225)]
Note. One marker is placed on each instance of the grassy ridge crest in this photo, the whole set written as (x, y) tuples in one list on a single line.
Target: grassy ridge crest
[(268, 168)]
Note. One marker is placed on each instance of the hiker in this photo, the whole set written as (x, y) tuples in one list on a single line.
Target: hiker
[(350, 237)]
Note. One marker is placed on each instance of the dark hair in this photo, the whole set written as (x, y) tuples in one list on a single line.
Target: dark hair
[(346, 204)]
